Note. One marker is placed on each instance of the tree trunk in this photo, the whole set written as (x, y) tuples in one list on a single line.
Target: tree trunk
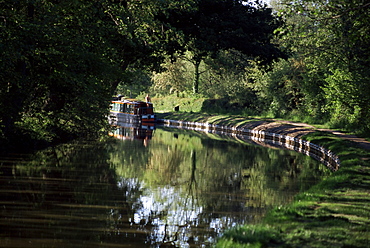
[(196, 76)]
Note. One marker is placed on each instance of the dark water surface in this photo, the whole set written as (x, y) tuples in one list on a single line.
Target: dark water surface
[(169, 188)]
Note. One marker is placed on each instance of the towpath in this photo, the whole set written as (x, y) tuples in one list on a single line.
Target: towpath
[(290, 128), (300, 129)]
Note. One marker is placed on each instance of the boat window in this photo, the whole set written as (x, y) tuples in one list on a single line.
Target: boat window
[(128, 110)]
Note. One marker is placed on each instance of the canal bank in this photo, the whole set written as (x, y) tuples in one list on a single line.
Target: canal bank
[(333, 213)]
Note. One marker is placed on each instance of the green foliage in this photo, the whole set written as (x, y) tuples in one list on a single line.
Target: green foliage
[(62, 60), (175, 78), (54, 68), (185, 103), (134, 83), (282, 87), (226, 79), (250, 236), (211, 26), (326, 78), (224, 75), (331, 38)]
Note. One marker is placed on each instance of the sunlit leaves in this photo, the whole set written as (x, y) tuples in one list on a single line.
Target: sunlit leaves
[(330, 36)]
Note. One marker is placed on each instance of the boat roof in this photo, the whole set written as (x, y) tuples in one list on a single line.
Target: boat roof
[(129, 100)]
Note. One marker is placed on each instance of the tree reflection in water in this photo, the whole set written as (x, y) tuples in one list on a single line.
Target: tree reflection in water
[(179, 189), (194, 186)]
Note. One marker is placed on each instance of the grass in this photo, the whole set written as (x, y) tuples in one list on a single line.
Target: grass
[(169, 103), (250, 236), (333, 213)]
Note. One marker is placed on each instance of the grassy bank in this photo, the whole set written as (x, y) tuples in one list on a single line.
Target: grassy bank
[(333, 213), (184, 104), (198, 104)]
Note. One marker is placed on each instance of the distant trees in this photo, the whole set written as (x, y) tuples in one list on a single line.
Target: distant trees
[(214, 25), (325, 76)]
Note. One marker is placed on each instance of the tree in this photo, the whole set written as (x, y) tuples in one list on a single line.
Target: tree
[(61, 61), (174, 79), (281, 88), (211, 26), (332, 38), (55, 68)]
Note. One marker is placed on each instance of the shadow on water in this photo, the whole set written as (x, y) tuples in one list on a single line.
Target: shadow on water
[(147, 188)]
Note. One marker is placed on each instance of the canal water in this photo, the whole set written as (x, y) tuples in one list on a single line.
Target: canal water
[(145, 188)]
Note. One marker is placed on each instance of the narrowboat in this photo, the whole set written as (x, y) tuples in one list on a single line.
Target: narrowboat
[(131, 111)]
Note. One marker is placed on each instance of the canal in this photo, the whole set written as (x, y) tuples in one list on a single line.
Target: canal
[(145, 188)]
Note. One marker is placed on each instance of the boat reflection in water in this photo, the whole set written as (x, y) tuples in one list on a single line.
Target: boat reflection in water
[(131, 131)]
